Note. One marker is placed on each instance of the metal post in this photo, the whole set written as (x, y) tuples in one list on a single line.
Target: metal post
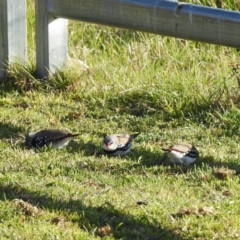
[(13, 34), (52, 40)]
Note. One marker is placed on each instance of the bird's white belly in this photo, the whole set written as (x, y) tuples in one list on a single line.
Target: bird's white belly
[(177, 157), (115, 153), (62, 143)]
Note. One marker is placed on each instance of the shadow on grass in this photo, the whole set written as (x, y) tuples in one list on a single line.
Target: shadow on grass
[(124, 226), (150, 159), (9, 130), (202, 163), (145, 157), (212, 162)]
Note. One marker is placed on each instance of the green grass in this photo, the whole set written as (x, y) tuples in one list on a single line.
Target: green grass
[(117, 80)]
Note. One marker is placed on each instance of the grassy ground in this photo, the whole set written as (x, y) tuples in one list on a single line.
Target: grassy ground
[(118, 80)]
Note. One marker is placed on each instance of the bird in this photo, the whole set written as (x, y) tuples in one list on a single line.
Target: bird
[(55, 137), (182, 153), (118, 144)]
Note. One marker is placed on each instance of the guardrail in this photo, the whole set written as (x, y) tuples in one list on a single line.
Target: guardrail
[(170, 18), (164, 17)]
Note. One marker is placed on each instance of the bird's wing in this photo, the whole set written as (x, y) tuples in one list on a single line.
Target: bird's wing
[(53, 134), (123, 139), (182, 147)]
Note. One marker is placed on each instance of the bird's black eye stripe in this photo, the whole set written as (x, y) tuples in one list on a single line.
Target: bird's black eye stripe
[(192, 153)]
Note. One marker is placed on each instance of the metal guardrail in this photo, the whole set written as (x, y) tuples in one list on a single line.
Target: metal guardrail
[(164, 17), (170, 18)]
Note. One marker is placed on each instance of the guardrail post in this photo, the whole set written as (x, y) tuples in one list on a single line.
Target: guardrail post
[(13, 34), (51, 40)]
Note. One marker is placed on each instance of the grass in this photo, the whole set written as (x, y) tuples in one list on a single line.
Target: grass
[(118, 80)]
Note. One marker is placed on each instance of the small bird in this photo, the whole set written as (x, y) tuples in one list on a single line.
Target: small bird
[(118, 144), (58, 138), (182, 153)]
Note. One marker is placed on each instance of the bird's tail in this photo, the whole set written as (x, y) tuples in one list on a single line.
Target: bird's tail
[(166, 149), (74, 135), (69, 136), (134, 135)]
